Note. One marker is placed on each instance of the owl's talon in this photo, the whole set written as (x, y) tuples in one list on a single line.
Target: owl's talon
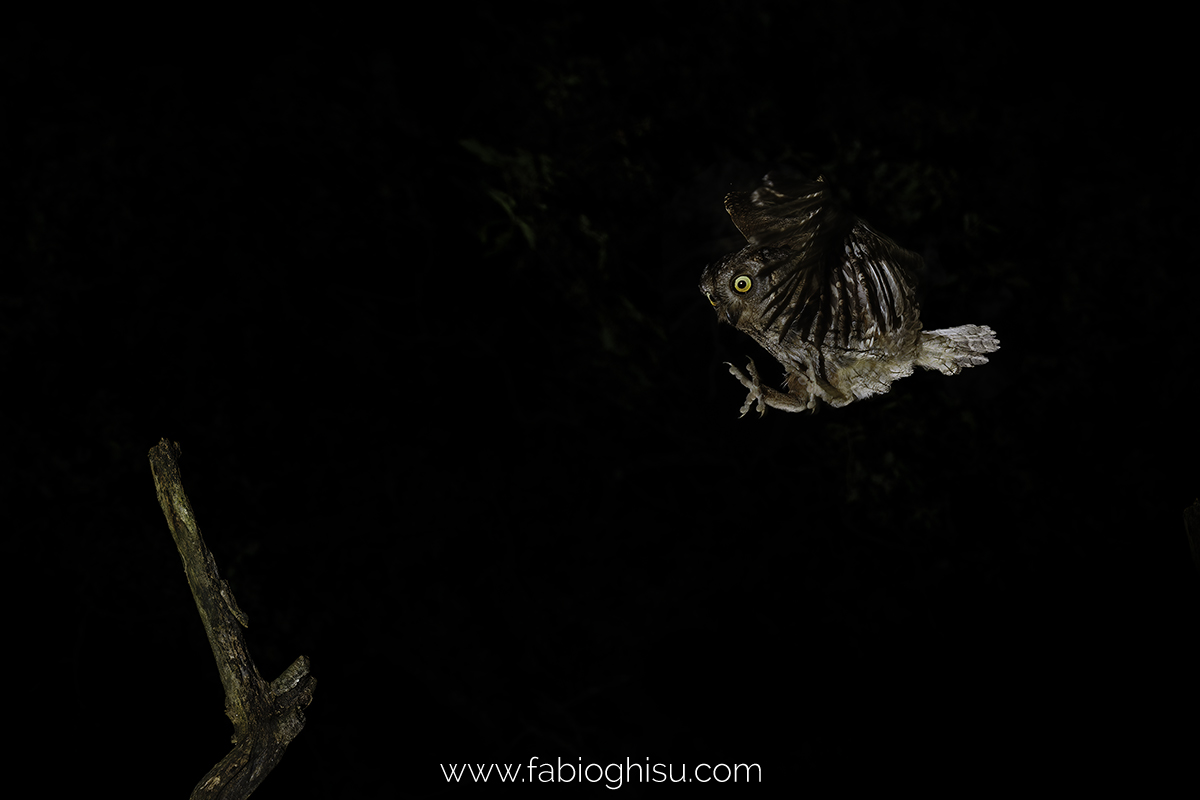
[(753, 384)]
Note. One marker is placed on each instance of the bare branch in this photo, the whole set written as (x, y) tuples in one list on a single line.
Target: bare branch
[(265, 717)]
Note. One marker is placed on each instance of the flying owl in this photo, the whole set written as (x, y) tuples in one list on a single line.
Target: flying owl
[(829, 297)]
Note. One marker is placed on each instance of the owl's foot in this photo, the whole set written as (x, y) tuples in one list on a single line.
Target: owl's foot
[(800, 398), (753, 384)]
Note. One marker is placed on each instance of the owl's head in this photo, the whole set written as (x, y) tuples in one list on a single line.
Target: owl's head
[(739, 285)]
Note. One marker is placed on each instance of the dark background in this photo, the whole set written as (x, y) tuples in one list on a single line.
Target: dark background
[(417, 297)]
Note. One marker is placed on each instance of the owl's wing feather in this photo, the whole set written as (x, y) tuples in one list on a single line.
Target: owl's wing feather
[(775, 210), (831, 272)]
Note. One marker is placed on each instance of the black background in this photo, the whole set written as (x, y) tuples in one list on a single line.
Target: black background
[(416, 294)]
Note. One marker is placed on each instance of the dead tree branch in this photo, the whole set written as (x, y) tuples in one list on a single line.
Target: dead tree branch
[(266, 717)]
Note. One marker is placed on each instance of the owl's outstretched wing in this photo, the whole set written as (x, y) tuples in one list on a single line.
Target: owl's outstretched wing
[(831, 273)]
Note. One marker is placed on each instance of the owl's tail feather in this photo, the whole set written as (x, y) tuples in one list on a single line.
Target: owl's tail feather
[(950, 350)]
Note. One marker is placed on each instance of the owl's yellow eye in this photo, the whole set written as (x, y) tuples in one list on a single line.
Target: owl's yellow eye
[(741, 284)]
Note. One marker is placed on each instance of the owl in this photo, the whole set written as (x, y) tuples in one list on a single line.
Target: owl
[(829, 297)]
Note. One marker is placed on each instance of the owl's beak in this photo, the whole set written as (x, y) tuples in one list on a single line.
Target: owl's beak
[(711, 302)]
